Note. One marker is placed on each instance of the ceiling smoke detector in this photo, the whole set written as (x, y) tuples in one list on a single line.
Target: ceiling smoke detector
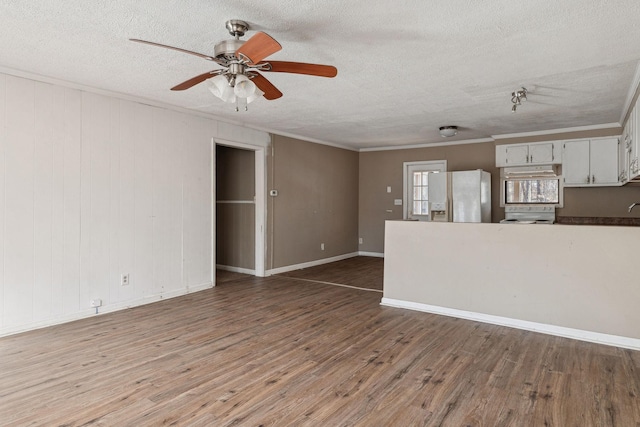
[(448, 131)]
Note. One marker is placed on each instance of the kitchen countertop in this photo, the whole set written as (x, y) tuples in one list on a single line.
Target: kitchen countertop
[(586, 220)]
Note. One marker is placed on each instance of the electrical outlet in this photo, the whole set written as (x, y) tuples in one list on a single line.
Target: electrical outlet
[(96, 303), (360, 241), (124, 280), (322, 246)]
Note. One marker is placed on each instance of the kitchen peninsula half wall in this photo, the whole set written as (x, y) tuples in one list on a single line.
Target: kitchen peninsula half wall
[(575, 281)]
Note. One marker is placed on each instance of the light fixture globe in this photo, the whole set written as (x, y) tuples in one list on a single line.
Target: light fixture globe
[(219, 86), (448, 131), (256, 94), (244, 87)]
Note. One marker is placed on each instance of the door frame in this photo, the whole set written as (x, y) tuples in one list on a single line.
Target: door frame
[(427, 165), (260, 199)]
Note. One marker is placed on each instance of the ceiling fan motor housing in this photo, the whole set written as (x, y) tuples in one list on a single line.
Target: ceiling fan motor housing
[(226, 49), (237, 68)]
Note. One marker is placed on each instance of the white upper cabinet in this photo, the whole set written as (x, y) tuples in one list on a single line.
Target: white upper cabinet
[(624, 147), (539, 153), (604, 161), (633, 142), (590, 163), (576, 169), (543, 153), (516, 154)]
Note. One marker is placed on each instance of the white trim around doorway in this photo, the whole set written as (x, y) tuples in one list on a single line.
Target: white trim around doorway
[(260, 201)]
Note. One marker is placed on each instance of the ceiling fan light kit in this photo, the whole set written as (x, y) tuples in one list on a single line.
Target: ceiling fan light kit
[(448, 131), (240, 79), (242, 93)]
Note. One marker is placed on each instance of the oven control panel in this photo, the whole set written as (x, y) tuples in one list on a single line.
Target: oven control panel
[(524, 208), (538, 214)]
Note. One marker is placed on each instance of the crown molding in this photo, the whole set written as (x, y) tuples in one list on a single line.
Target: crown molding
[(631, 94), (427, 145), (557, 131), (119, 95), (306, 139)]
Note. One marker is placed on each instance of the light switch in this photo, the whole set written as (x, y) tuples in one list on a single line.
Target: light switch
[(397, 202), (388, 189)]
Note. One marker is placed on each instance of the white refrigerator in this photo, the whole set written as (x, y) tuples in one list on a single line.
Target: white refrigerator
[(462, 196)]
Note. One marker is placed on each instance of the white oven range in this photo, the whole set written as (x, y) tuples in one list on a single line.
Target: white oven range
[(527, 214)]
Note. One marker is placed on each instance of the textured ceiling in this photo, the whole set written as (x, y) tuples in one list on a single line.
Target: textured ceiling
[(404, 67)]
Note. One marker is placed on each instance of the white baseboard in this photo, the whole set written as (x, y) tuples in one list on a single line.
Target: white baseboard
[(288, 268), (236, 269), (373, 254), (578, 334), (103, 310)]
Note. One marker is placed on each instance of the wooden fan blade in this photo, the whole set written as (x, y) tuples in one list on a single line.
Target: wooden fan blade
[(201, 55), (258, 47), (270, 91), (303, 68), (195, 80)]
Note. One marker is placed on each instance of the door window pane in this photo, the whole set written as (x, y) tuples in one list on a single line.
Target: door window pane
[(415, 198), (416, 208), (421, 193), (417, 193)]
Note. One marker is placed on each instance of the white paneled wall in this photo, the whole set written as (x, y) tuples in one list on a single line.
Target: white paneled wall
[(3, 156), (92, 187)]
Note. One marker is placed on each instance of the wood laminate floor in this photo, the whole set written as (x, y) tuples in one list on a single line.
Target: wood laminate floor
[(359, 272), (284, 352)]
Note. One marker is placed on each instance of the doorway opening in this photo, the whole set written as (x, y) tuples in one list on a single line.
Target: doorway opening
[(239, 211)]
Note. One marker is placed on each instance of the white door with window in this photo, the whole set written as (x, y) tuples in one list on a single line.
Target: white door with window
[(416, 187)]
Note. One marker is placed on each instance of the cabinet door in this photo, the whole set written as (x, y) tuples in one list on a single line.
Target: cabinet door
[(633, 144), (541, 153), (634, 166), (623, 157), (517, 155), (604, 161), (501, 156), (575, 163)]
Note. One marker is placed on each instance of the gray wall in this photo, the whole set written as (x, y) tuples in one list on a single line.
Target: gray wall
[(317, 202), (235, 222), (379, 169)]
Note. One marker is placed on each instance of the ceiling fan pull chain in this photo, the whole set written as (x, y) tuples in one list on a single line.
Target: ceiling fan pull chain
[(240, 102)]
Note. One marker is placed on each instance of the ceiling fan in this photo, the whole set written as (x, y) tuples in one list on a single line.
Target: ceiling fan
[(239, 79)]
